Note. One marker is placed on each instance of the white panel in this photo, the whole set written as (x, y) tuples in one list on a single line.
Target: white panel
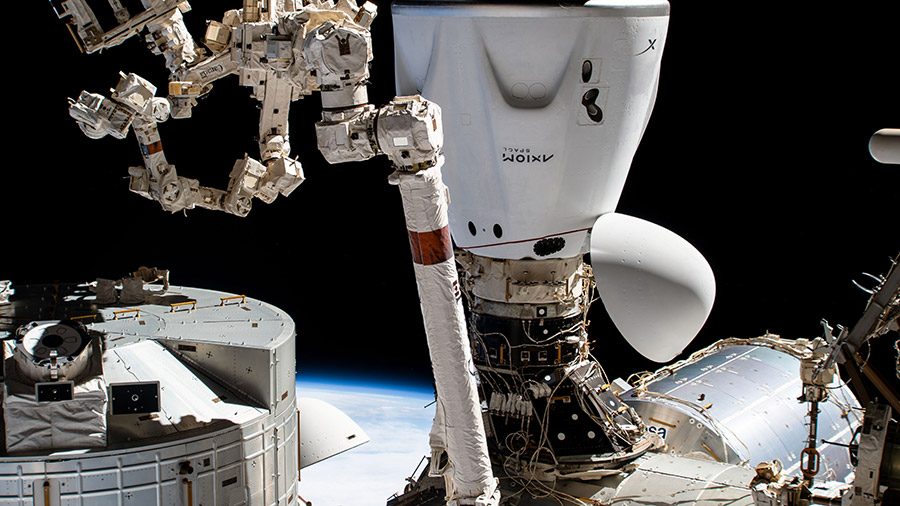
[(9, 486), (666, 479), (186, 401), (109, 498), (68, 483), (253, 445), (228, 454), (229, 483), (99, 480), (171, 494), (269, 475), (280, 463), (244, 369), (285, 377), (139, 475), (255, 481), (205, 489), (203, 461), (141, 496), (168, 470)]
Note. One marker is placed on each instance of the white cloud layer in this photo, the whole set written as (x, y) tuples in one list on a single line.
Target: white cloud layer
[(397, 423)]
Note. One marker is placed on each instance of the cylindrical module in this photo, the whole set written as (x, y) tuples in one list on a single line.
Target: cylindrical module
[(459, 423), (884, 145)]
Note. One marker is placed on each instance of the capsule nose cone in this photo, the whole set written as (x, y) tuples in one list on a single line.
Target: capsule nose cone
[(657, 288)]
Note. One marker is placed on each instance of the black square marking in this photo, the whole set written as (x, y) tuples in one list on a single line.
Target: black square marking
[(134, 398), (54, 391)]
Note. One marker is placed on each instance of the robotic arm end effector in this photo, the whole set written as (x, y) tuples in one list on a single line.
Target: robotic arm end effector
[(250, 178), (408, 131), (133, 96)]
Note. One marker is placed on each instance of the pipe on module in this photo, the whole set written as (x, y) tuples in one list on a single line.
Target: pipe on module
[(884, 145)]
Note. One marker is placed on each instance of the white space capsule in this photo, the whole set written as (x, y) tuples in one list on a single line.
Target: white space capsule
[(544, 107)]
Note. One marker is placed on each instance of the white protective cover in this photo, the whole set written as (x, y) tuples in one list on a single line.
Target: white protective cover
[(325, 431), (657, 288), (525, 161), (459, 426), (33, 426)]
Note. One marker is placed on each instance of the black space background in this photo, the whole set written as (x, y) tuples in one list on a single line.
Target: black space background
[(756, 153)]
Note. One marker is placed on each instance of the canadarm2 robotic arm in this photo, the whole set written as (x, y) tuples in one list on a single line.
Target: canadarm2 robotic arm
[(410, 133)]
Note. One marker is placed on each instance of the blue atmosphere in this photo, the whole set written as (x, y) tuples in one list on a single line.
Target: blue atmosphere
[(395, 415)]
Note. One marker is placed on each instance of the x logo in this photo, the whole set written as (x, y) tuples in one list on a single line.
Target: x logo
[(651, 46)]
